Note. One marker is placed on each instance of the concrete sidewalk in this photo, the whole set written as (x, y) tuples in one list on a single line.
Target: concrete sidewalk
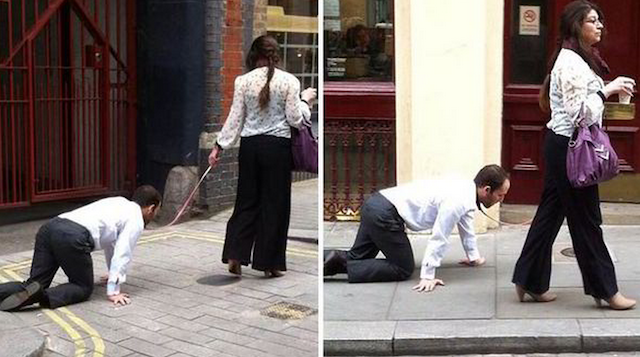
[(184, 302), (477, 311)]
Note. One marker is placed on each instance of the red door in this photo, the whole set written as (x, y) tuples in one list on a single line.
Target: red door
[(526, 55), (67, 81)]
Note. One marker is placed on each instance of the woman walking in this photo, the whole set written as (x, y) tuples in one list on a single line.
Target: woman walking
[(266, 103), (574, 93)]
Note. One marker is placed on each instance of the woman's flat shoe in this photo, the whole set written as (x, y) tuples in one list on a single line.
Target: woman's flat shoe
[(617, 302), (273, 273), (235, 267), (544, 297)]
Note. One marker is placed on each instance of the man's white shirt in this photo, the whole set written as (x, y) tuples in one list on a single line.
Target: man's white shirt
[(115, 225), (438, 204)]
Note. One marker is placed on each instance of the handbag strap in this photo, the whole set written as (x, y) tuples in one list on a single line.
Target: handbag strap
[(574, 136)]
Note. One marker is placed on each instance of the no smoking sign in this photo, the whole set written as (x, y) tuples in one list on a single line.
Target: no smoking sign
[(529, 20), (530, 16)]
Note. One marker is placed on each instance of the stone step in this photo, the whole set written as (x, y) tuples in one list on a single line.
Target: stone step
[(616, 214), (460, 337)]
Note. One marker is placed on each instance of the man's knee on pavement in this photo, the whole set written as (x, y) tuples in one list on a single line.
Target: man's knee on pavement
[(86, 292), (406, 269)]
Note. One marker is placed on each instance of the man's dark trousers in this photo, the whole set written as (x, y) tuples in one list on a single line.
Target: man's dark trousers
[(59, 243), (381, 229)]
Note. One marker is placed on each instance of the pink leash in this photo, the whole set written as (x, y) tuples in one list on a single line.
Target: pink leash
[(186, 203)]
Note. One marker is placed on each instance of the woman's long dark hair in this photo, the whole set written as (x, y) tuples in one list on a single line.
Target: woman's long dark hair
[(571, 21), (264, 52)]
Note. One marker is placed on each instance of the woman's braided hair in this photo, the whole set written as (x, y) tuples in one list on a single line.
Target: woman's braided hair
[(264, 52)]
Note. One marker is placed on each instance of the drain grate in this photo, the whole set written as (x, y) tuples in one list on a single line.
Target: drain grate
[(568, 255), (287, 311)]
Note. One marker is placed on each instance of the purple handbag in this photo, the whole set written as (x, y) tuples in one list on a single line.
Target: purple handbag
[(304, 147), (590, 157)]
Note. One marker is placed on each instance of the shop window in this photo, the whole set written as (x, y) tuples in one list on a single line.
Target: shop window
[(358, 40), (294, 24), (529, 29)]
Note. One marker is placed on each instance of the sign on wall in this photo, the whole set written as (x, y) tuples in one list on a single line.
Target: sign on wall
[(331, 15), (529, 21)]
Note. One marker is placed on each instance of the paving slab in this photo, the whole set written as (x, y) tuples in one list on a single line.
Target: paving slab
[(19, 339), (352, 302), (178, 307), (477, 311), (454, 302)]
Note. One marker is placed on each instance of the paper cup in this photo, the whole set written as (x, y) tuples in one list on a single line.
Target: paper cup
[(624, 98)]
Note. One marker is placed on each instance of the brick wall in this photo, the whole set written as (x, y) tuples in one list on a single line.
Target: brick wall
[(214, 19), (229, 29), (232, 51), (260, 18)]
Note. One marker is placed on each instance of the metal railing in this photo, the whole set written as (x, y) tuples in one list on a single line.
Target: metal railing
[(359, 159)]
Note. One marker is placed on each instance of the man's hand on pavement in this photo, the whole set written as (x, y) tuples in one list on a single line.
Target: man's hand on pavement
[(473, 263), (120, 299), (428, 285)]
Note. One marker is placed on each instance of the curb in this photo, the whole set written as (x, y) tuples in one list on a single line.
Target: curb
[(459, 337), (18, 339)]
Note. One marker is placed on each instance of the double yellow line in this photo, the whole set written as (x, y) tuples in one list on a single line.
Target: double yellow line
[(10, 271), (59, 314)]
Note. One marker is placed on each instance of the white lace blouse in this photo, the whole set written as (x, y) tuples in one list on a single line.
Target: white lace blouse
[(285, 109), (573, 94)]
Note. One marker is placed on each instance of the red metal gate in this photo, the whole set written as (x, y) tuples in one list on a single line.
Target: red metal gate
[(67, 88), (359, 145)]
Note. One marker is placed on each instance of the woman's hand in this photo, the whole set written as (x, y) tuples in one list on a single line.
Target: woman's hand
[(214, 156), (309, 95), (619, 85)]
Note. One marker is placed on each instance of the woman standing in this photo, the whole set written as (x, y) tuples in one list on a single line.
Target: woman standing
[(574, 92), (266, 104)]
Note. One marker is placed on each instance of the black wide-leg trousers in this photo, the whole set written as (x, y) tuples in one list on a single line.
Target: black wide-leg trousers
[(381, 229), (59, 243), (581, 207), (260, 218)]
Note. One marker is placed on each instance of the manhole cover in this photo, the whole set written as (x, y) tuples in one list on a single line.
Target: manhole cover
[(218, 280), (287, 311), (568, 252)]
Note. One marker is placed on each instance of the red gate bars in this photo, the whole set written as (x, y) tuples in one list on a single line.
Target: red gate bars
[(67, 84)]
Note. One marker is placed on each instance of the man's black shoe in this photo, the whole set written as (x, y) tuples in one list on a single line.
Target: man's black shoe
[(335, 262), (16, 300)]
